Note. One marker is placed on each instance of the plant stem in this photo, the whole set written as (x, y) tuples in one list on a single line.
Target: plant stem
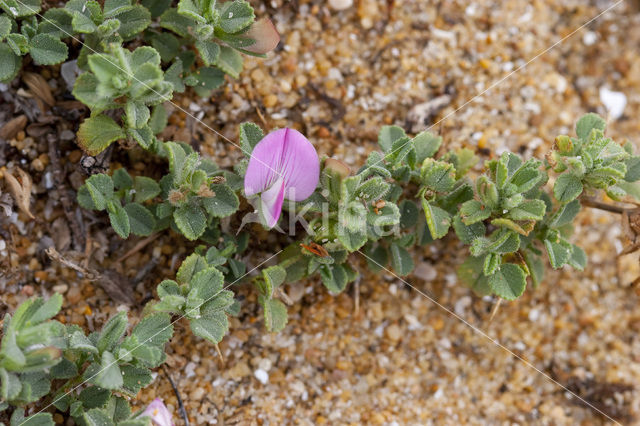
[(589, 202), (183, 412)]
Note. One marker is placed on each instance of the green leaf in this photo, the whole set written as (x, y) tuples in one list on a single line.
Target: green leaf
[(426, 145), (250, 135), (108, 376), (275, 315), (79, 341), (521, 227), (229, 61), (10, 63), (191, 9), (211, 328), (373, 189), (193, 264), (565, 214), (156, 7), (386, 216), (509, 281), (206, 284), (528, 210), (437, 175), (388, 135), (97, 133), (144, 136), (578, 258), (174, 21), (141, 220), (558, 252), (334, 277), (535, 266), (85, 90), (145, 189), (224, 203), (207, 79), (401, 260), (112, 7), (501, 241), (567, 188), (633, 169), (133, 21), (209, 51), (587, 123), (119, 219), (122, 179), (470, 273), (112, 331), (273, 276), (39, 419), (20, 8), (468, 233), (65, 369), (100, 188), (491, 263), (137, 114), (47, 310), (487, 192), (158, 120), (97, 417), (11, 386), (94, 397), (409, 213), (167, 45), (191, 220), (235, 16), (438, 220), (352, 240), (5, 26), (473, 211), (135, 378)]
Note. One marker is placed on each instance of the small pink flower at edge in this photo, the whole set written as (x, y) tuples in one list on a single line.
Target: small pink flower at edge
[(160, 415), (283, 165), (265, 35)]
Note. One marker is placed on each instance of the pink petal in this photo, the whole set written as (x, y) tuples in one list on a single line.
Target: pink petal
[(160, 415), (271, 202), (265, 35), (288, 154)]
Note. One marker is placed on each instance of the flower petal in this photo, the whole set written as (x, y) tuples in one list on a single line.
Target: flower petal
[(265, 35), (159, 413), (271, 203), (287, 154)]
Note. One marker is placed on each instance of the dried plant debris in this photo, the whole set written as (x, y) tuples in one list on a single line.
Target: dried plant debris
[(20, 187)]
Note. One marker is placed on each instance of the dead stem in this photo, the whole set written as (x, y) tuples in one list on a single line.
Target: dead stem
[(183, 412)]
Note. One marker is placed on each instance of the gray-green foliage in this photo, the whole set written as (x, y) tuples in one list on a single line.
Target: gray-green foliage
[(21, 34), (122, 80), (193, 196), (198, 292), (507, 216), (132, 82), (85, 376)]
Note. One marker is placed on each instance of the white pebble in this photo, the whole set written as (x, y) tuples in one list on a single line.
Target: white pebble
[(614, 102), (262, 376), (340, 4), (589, 38)]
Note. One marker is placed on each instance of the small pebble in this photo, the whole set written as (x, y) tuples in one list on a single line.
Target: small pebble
[(340, 4), (262, 376)]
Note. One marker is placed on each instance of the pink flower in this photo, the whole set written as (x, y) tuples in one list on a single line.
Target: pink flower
[(160, 415), (265, 35), (283, 164)]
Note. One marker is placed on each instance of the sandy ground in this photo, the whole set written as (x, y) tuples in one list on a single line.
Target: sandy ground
[(399, 358)]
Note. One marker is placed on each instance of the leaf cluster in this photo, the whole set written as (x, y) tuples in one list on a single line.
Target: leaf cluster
[(88, 376)]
